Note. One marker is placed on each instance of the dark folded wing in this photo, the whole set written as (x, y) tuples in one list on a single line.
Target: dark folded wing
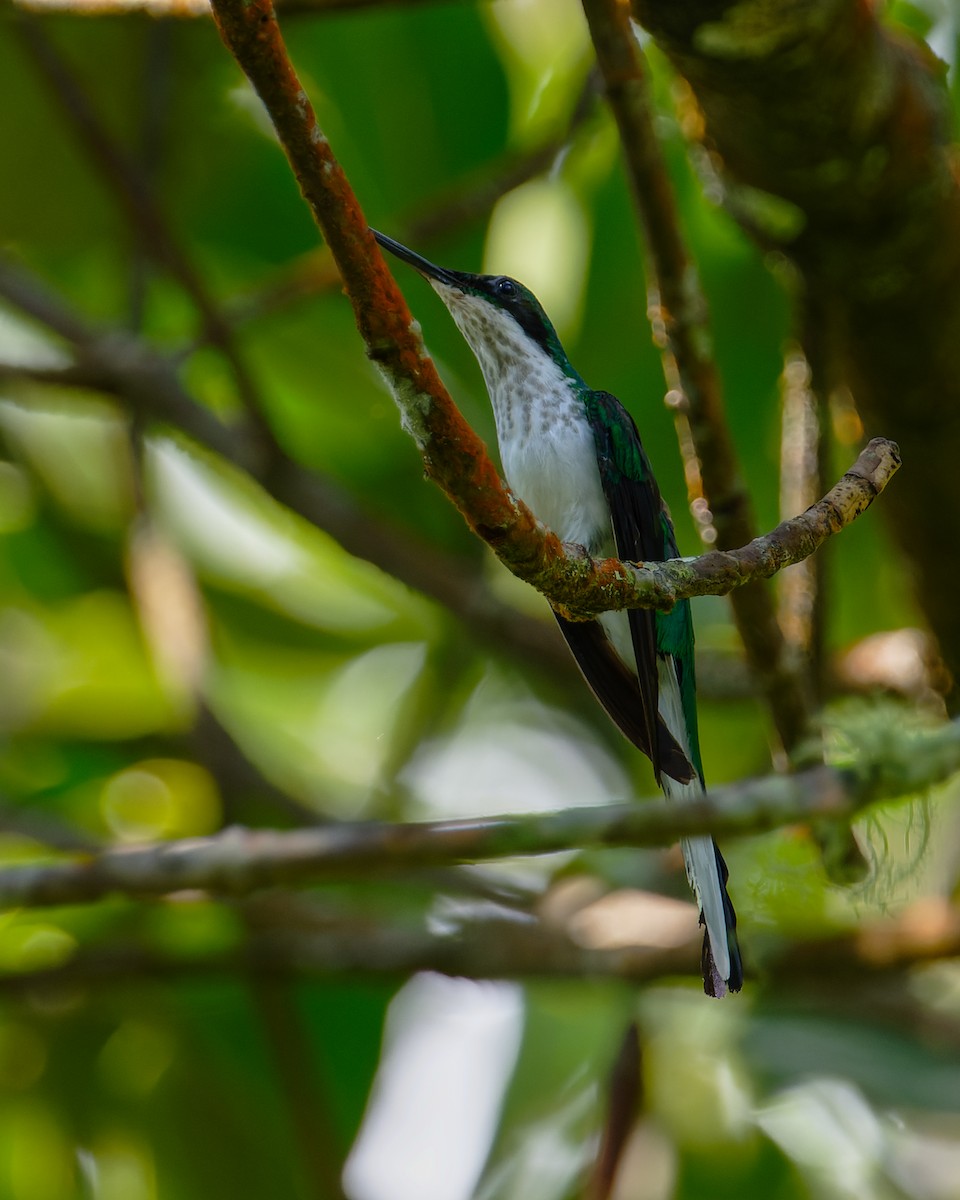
[(638, 528), (616, 688)]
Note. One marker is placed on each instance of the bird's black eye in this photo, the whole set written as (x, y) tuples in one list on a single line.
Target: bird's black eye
[(506, 288)]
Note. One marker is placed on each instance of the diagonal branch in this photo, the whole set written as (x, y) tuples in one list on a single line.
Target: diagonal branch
[(453, 455), (239, 860)]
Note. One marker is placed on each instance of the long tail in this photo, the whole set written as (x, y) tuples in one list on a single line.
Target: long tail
[(706, 870)]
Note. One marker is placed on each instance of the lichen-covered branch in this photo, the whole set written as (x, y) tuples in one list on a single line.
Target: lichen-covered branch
[(238, 861), (721, 571), (241, 860)]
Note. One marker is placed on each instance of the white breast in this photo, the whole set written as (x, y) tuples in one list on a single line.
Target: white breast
[(546, 444), (553, 469)]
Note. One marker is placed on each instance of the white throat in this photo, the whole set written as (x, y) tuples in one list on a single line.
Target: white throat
[(546, 444)]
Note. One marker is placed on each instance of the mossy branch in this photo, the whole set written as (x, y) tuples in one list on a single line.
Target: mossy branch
[(239, 861)]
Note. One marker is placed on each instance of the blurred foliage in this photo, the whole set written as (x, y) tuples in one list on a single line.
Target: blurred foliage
[(143, 582)]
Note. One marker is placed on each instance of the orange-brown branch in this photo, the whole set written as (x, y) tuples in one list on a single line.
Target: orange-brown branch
[(452, 453)]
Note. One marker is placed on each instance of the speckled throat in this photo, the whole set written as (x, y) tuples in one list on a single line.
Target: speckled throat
[(546, 444)]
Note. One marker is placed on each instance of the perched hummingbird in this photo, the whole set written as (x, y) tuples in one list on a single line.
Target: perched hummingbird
[(575, 458)]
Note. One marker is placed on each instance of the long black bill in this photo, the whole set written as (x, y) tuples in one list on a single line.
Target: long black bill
[(429, 269)]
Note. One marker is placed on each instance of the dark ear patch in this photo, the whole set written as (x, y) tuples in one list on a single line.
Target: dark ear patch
[(512, 297), (532, 325), (526, 311)]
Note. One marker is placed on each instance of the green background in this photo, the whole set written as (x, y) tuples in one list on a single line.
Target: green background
[(360, 698)]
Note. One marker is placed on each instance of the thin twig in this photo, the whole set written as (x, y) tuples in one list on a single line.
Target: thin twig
[(625, 1102), (801, 588), (816, 318), (800, 484), (38, 826), (152, 143)]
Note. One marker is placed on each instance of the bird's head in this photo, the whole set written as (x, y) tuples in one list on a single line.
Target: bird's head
[(497, 315)]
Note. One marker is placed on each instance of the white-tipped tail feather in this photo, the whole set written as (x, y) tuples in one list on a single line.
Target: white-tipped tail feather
[(700, 853)]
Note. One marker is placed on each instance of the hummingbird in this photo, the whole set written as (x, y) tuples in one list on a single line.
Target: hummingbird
[(574, 456)]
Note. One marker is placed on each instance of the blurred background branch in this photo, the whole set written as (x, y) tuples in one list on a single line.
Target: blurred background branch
[(303, 940), (891, 197), (240, 860)]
